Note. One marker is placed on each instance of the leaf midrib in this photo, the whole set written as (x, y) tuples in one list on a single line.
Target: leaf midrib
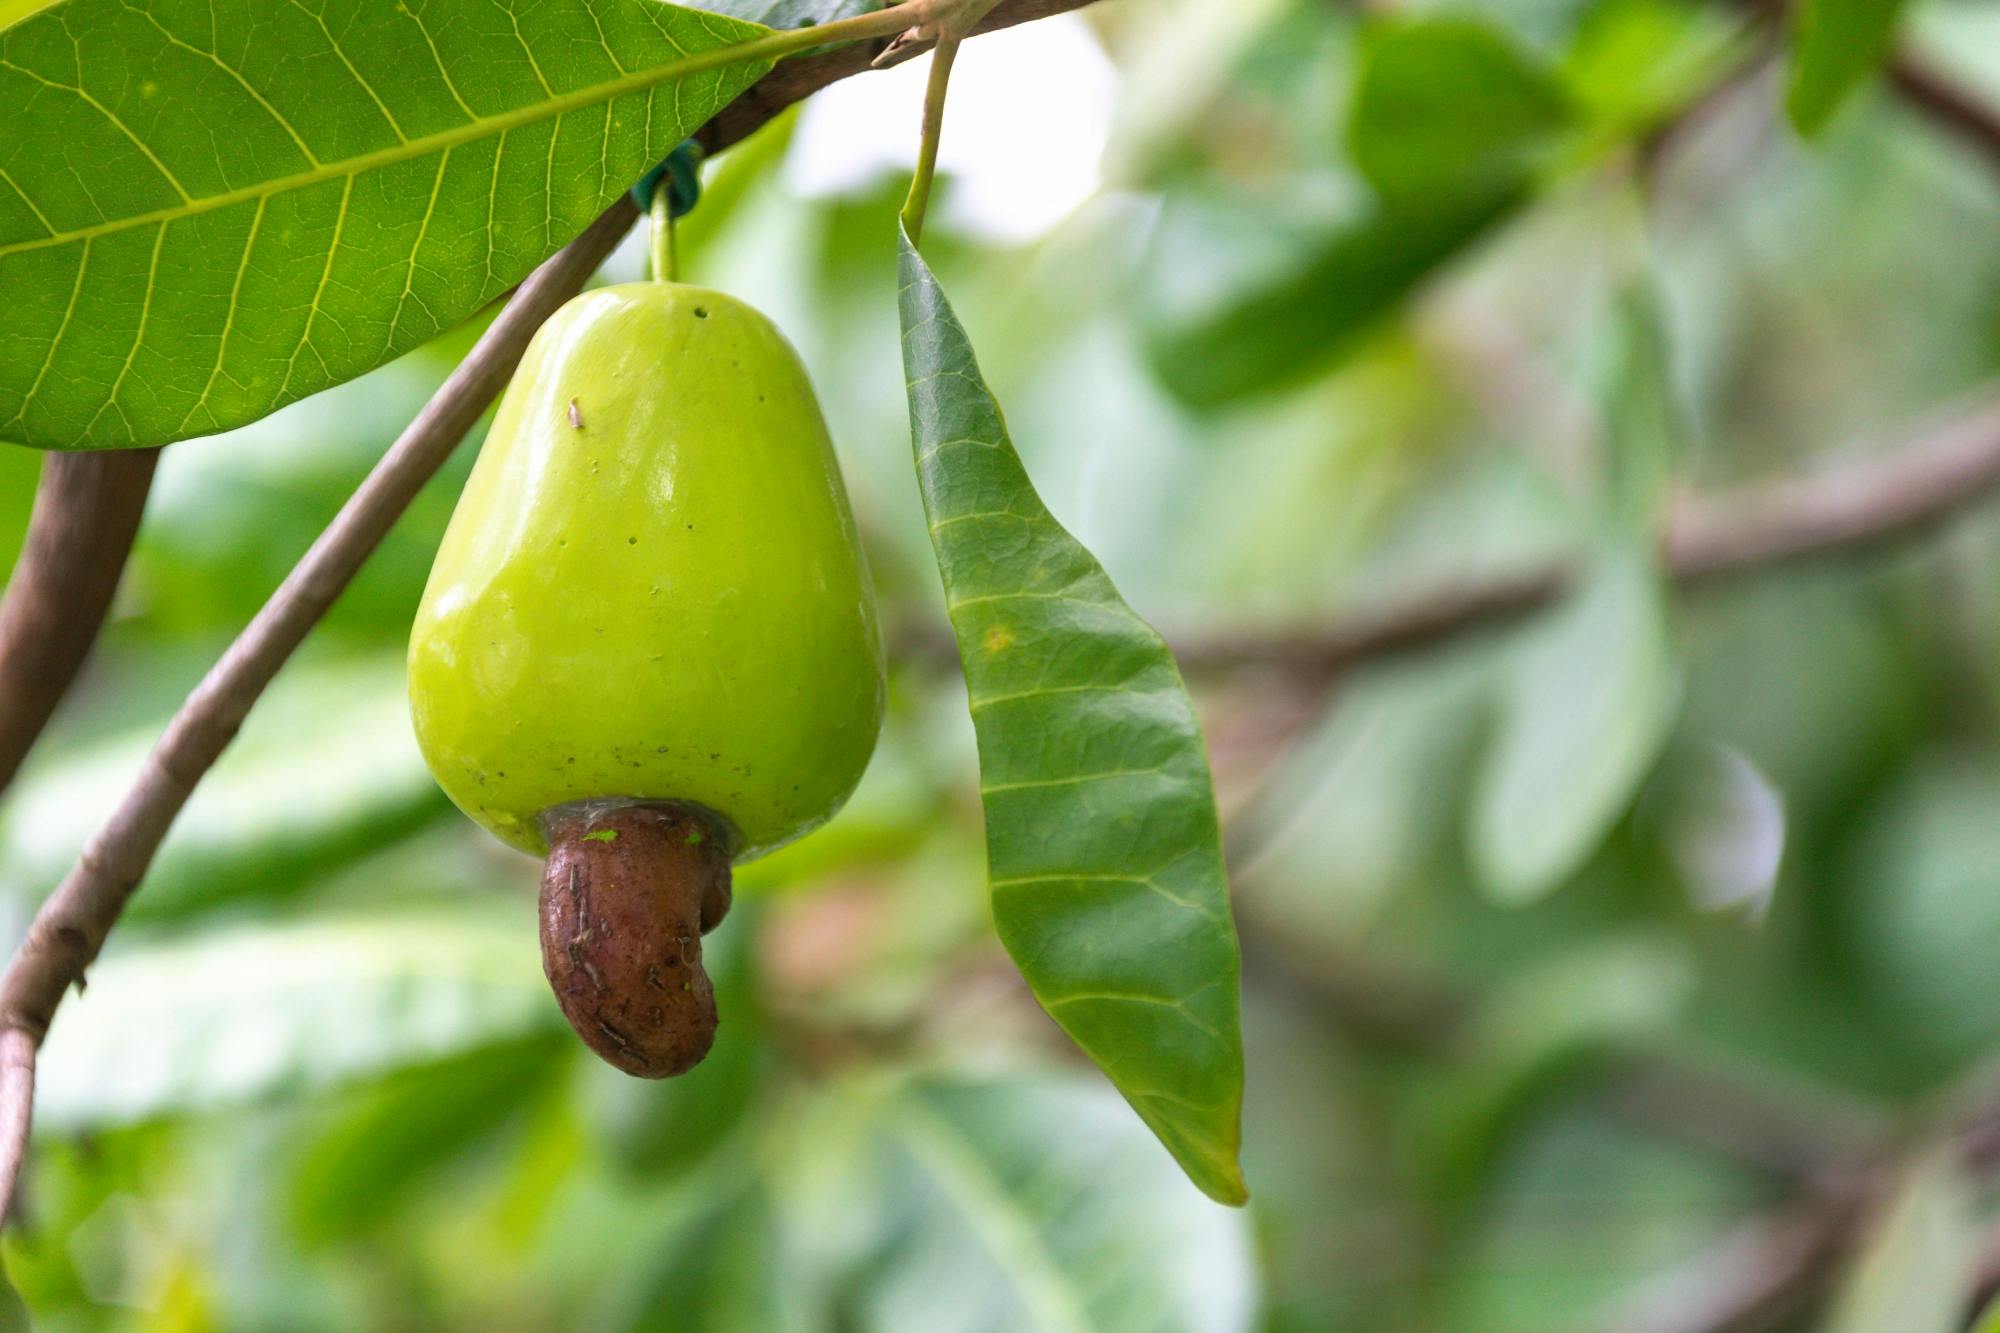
[(772, 44)]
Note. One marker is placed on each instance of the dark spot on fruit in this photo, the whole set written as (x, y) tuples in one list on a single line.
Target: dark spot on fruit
[(701, 312)]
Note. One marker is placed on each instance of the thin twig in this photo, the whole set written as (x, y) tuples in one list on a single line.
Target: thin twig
[(918, 201), (86, 514)]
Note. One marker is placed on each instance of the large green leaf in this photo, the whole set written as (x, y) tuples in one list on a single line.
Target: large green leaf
[(1102, 846), (1447, 106), (1839, 46), (209, 208)]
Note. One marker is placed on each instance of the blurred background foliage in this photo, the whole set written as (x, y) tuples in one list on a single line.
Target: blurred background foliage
[(1298, 311)]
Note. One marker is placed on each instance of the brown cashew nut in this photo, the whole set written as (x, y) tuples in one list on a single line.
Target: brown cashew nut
[(627, 894)]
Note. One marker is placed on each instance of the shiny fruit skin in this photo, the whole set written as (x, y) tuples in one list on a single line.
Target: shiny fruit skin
[(651, 588)]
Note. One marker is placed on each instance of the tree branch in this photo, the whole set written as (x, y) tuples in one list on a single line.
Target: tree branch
[(86, 514)]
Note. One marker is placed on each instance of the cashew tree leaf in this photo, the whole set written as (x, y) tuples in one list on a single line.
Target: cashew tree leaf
[(1103, 854), (210, 208)]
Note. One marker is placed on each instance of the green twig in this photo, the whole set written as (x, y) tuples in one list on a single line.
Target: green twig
[(920, 183)]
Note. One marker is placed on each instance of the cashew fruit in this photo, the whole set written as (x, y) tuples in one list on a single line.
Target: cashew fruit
[(648, 647)]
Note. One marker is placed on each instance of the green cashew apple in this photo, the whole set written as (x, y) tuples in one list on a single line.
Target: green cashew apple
[(648, 647)]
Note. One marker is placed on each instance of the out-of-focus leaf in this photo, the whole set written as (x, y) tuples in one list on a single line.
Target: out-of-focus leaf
[(384, 178), (1038, 1205), (394, 1139), (1450, 107), (1916, 1271), (1838, 45), (1635, 63), (1103, 851), (1298, 321), (325, 770), (1989, 1318), (1588, 702), (250, 1012)]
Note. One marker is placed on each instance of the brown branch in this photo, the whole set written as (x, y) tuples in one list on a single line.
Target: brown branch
[(86, 514)]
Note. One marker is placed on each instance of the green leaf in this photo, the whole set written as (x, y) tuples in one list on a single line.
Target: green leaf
[(1294, 323), (388, 170), (1919, 1267), (1103, 852), (1452, 107), (1838, 45), (1588, 702), (1036, 1204), (235, 1015)]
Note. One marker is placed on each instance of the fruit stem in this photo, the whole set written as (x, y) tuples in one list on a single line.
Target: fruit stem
[(934, 92), (666, 258)]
